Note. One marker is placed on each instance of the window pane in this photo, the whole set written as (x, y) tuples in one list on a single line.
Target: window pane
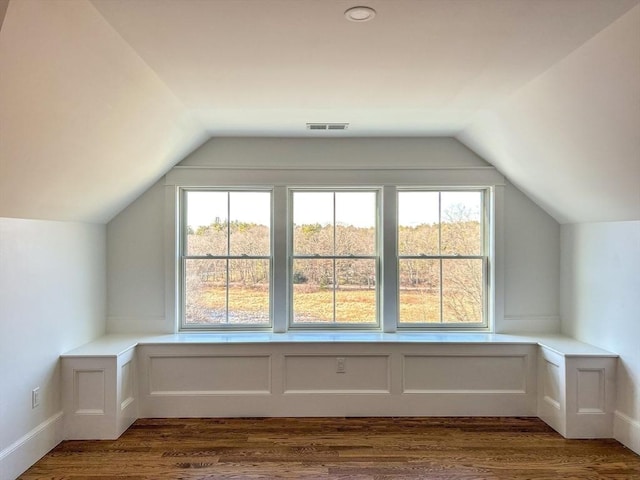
[(461, 219), (419, 291), (462, 290), (355, 291), (313, 223), (313, 297), (355, 223), (418, 223), (205, 291), (250, 222), (248, 292), (206, 223)]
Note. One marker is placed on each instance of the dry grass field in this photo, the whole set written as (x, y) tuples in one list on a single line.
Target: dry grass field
[(316, 304)]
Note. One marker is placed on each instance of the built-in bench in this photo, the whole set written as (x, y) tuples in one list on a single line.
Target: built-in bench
[(109, 383)]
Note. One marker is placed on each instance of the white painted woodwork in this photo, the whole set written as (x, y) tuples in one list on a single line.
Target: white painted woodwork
[(185, 373), (450, 373), (576, 392), (309, 374), (304, 380), (89, 395), (99, 389), (568, 384)]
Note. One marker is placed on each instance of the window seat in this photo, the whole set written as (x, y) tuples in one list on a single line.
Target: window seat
[(109, 383), (116, 344)]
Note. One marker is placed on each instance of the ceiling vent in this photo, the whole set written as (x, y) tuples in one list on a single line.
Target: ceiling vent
[(327, 126)]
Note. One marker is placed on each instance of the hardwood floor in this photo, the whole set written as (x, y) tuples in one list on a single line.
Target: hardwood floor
[(339, 448)]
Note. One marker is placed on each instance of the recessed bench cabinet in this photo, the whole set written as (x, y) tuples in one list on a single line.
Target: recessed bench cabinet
[(111, 382)]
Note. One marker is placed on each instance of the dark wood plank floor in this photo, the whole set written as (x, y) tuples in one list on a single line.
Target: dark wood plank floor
[(338, 448)]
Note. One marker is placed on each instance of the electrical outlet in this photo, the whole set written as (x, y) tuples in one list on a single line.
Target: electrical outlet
[(341, 365), (35, 397)]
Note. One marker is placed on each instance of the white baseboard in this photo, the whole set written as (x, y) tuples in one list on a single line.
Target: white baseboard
[(30, 448), (627, 431)]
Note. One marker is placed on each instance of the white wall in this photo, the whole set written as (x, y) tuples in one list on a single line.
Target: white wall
[(532, 266), (333, 152), (52, 299), (601, 305), (135, 266), (136, 254)]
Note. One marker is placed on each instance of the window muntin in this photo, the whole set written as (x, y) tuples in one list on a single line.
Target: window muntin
[(442, 258), (226, 259), (334, 261)]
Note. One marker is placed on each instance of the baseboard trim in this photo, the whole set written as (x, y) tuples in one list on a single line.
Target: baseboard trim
[(31, 447), (627, 431)]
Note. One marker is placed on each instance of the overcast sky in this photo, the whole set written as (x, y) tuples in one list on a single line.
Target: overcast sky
[(352, 208)]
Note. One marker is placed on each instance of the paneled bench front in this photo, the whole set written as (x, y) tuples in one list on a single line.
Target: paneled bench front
[(116, 379)]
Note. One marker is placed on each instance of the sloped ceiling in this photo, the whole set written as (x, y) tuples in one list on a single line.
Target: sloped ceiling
[(99, 98), (570, 139), (85, 125)]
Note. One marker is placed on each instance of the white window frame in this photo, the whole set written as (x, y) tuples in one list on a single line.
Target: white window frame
[(280, 179), (291, 257), (183, 257), (484, 256)]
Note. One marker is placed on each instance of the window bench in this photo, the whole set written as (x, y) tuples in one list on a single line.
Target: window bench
[(109, 383)]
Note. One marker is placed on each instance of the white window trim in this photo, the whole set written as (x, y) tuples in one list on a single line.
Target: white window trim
[(485, 255), (180, 281), (390, 179), (377, 255)]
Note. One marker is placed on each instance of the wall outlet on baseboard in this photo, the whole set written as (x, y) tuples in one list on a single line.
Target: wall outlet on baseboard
[(35, 397)]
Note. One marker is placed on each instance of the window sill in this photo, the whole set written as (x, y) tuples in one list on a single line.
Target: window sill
[(114, 344)]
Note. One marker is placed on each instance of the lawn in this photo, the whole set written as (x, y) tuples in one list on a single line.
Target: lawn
[(315, 305)]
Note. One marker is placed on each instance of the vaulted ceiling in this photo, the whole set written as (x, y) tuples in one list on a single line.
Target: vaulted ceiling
[(99, 98)]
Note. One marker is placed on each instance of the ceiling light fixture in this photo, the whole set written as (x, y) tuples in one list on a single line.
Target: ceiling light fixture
[(360, 14)]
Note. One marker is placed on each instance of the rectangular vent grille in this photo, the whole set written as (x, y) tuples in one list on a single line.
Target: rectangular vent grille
[(327, 126)]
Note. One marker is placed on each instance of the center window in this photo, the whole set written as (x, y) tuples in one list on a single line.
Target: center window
[(334, 261)]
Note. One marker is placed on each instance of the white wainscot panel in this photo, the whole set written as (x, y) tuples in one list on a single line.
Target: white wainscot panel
[(465, 374), (551, 389), (551, 383), (591, 390), (209, 375), (590, 397), (126, 385), (319, 374), (89, 392)]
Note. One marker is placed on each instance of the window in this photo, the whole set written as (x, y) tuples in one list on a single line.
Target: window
[(334, 275), (441, 258), (386, 258), (226, 245)]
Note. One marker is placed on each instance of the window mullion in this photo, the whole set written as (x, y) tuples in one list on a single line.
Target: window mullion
[(281, 260), (389, 262), (440, 253), (334, 259)]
